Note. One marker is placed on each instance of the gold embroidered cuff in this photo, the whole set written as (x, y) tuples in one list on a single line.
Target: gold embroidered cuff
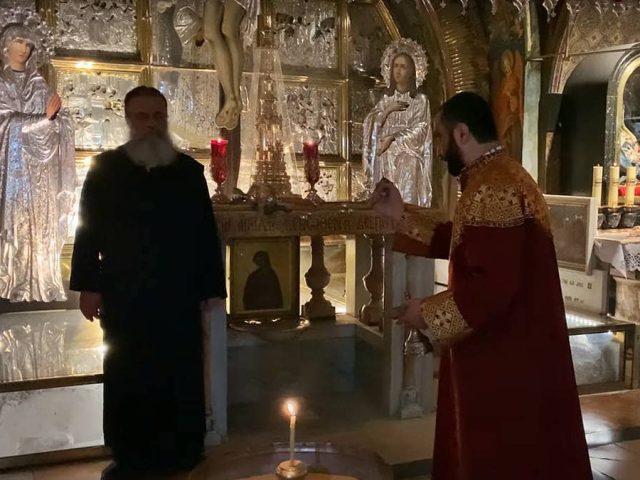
[(443, 318), (416, 225)]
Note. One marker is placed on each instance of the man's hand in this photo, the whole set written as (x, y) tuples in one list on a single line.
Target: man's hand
[(90, 305), (384, 144), (387, 201), (412, 315), (53, 107), (209, 304)]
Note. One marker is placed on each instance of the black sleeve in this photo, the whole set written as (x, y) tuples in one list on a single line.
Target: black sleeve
[(212, 275), (85, 264)]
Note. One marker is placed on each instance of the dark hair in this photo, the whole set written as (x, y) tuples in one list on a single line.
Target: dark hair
[(413, 88), (142, 91), (472, 110), (264, 255)]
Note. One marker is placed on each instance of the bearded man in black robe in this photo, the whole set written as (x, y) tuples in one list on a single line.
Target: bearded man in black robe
[(148, 262)]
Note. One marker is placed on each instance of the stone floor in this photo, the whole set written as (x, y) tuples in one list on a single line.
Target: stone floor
[(612, 424)]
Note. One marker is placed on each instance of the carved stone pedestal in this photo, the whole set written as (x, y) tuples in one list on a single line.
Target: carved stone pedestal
[(318, 278), (373, 312)]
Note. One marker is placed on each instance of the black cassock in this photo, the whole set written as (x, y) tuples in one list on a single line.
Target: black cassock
[(148, 242)]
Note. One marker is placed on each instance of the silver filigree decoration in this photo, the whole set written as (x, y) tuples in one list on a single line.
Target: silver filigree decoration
[(465, 5), (550, 7), (369, 39), (519, 6), (95, 100), (193, 97), (307, 32), (601, 7), (494, 7), (327, 185), (411, 48), (98, 25), (314, 114), (619, 7), (38, 31), (574, 6)]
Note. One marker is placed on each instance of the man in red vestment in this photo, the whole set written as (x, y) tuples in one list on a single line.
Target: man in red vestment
[(507, 403)]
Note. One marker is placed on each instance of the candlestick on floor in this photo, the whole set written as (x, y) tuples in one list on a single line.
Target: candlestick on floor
[(290, 471), (292, 468)]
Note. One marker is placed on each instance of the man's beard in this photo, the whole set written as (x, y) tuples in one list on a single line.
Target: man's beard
[(151, 150), (453, 157)]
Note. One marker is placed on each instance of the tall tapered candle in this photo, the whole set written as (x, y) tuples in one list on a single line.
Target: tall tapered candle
[(630, 194), (614, 181), (291, 407), (596, 187)]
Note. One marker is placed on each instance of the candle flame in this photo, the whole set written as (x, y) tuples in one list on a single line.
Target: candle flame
[(292, 408)]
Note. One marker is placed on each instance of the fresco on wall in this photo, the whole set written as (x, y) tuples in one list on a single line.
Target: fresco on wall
[(506, 59)]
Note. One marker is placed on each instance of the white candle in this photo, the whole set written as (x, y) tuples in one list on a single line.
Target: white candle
[(291, 407), (630, 195), (596, 187), (614, 181)]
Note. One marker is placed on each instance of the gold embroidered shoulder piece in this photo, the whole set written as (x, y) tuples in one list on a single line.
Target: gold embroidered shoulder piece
[(444, 320), (500, 194), (418, 224)]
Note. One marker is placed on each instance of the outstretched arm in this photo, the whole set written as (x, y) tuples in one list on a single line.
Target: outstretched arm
[(420, 235)]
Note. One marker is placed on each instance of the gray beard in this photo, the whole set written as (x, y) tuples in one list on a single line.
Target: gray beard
[(151, 151)]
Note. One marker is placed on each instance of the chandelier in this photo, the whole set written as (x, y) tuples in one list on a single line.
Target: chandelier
[(617, 7)]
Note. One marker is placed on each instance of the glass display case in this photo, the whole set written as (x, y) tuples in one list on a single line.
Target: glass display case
[(50, 385), (602, 349)]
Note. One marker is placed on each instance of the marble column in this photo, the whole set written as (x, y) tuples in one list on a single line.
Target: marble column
[(318, 278), (393, 333), (372, 313)]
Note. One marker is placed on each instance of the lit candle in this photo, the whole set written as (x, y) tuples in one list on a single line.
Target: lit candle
[(630, 194), (291, 407), (219, 148), (614, 181), (596, 188), (218, 167), (310, 150)]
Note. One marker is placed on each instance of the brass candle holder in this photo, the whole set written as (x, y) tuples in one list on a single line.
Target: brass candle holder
[(289, 470), (292, 468)]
